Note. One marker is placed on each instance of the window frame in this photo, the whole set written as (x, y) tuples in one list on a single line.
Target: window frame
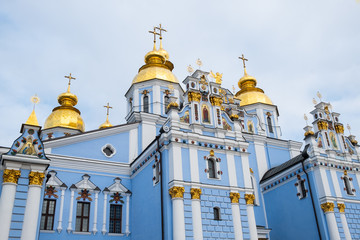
[(46, 214), (115, 219), (217, 214), (146, 105), (82, 217)]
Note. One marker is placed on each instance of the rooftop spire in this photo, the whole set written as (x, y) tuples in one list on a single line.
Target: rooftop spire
[(106, 124), (155, 33), (244, 59), (70, 78), (160, 34), (32, 120)]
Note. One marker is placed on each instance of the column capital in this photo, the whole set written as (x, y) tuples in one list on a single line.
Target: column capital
[(11, 176), (195, 193), (341, 207), (249, 198), (327, 207), (36, 178), (234, 197), (177, 192)]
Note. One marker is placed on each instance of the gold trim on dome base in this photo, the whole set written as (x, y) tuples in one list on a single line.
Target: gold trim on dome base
[(176, 192), (195, 193), (11, 176), (248, 98), (327, 207), (36, 178), (341, 207), (234, 197), (249, 198)]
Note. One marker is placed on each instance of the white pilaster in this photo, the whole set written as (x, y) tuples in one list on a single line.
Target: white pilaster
[(127, 226), (178, 219), (246, 169), (231, 169), (235, 209), (31, 216), (104, 214), (59, 228), (69, 228), (197, 221), (252, 222), (95, 212), (322, 183), (156, 99), (133, 144), (332, 226), (6, 208), (261, 156), (136, 103), (175, 163), (194, 165), (335, 181), (148, 133)]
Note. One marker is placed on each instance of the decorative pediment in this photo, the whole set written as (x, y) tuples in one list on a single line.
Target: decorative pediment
[(85, 183), (117, 187), (54, 181)]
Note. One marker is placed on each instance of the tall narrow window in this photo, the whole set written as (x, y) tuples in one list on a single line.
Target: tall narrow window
[(115, 218), (166, 102), (82, 217), (146, 103), (270, 126), (216, 213), (47, 214), (157, 172), (303, 189), (212, 168), (348, 186)]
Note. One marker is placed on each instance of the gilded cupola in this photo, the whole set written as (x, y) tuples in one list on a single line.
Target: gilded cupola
[(66, 115), (157, 64), (249, 93), (106, 124)]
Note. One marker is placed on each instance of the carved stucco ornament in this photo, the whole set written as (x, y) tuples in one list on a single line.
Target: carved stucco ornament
[(327, 207), (36, 178), (177, 192), (234, 197), (195, 193), (11, 176), (249, 198)]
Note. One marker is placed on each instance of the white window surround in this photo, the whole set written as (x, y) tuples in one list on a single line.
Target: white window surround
[(112, 148), (217, 167), (349, 179), (256, 192), (299, 189), (156, 171)]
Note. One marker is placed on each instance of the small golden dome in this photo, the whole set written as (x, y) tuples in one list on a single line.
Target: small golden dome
[(106, 124), (157, 66), (66, 115), (249, 93)]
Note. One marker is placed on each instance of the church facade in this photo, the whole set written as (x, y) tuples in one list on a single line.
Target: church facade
[(198, 162)]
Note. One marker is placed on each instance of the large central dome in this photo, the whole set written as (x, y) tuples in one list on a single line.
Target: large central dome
[(157, 66)]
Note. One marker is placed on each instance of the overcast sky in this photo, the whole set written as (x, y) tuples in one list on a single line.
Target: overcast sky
[(295, 48)]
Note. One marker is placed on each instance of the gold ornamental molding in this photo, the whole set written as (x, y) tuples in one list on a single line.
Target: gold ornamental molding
[(36, 178), (249, 198), (11, 176), (216, 101), (193, 96), (309, 133), (234, 117), (234, 197), (339, 128), (176, 192), (173, 104), (322, 125), (195, 193), (341, 207), (327, 207)]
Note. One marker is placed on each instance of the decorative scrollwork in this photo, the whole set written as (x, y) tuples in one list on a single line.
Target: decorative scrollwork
[(11, 176)]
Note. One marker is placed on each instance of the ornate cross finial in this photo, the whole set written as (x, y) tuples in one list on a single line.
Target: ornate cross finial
[(349, 128), (155, 33), (35, 100), (190, 69), (243, 59), (199, 63), (318, 94), (161, 30), (70, 78), (108, 108), (306, 119), (233, 88)]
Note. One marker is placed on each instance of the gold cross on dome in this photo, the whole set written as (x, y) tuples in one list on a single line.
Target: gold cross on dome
[(70, 78), (243, 59), (161, 30), (107, 109), (155, 33)]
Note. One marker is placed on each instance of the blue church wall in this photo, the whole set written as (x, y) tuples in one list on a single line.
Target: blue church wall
[(352, 213), (146, 203), (286, 207), (239, 171), (331, 184), (277, 155), (224, 178), (216, 229), (185, 157), (188, 214), (93, 148), (99, 180)]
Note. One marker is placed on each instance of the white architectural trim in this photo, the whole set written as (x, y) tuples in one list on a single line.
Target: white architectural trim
[(335, 181), (94, 230), (231, 169), (194, 164), (127, 226), (235, 209), (175, 163), (111, 147), (69, 228), (7, 200), (104, 214), (61, 211)]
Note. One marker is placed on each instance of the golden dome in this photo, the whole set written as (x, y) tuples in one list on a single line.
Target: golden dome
[(106, 124), (157, 66), (66, 115), (249, 93)]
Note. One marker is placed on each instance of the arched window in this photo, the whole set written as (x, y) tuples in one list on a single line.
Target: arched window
[(166, 102), (271, 130), (348, 186), (146, 103), (216, 213), (211, 168)]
